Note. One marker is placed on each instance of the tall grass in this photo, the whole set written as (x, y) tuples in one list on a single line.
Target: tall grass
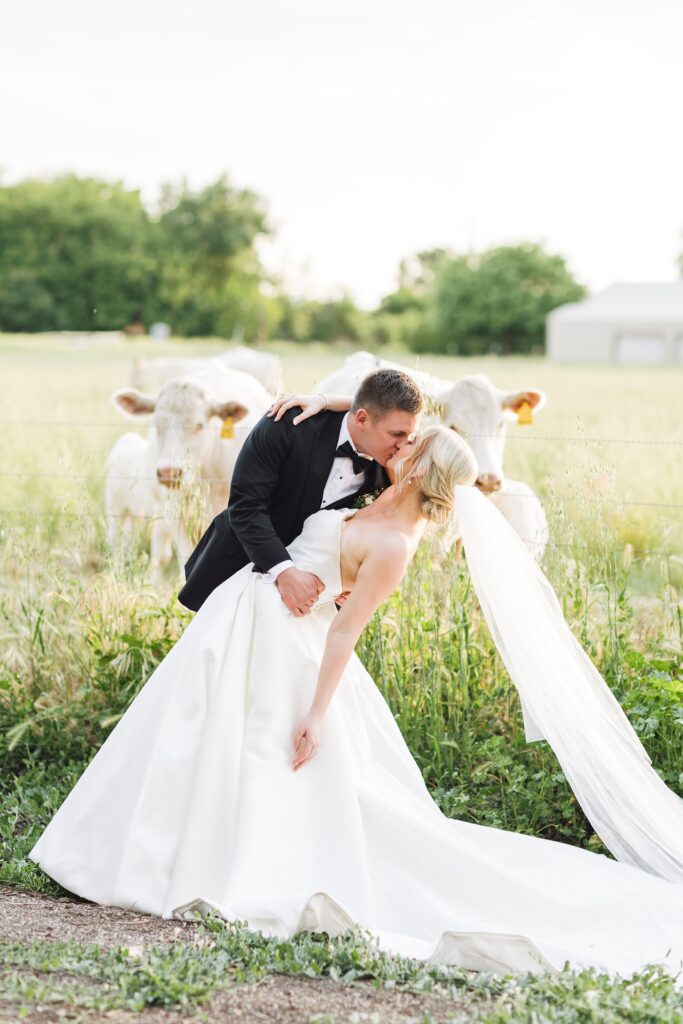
[(80, 635), (49, 383)]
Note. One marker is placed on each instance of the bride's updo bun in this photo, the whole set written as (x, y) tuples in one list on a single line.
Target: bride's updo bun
[(440, 460)]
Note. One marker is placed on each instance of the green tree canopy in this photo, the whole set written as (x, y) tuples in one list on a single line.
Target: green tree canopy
[(209, 273), (497, 300), (417, 273), (75, 253), (330, 320), (83, 254)]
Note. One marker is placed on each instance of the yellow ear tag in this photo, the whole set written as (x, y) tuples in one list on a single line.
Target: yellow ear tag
[(228, 427), (525, 414)]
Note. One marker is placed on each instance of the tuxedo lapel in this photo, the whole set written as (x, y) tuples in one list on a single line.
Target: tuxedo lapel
[(321, 457), (375, 478)]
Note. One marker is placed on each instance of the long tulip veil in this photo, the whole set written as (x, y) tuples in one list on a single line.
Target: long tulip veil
[(564, 698)]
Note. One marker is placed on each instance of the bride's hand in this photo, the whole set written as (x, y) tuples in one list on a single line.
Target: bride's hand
[(311, 405), (306, 740)]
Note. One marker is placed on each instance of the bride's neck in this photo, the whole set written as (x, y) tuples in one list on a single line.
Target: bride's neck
[(404, 505)]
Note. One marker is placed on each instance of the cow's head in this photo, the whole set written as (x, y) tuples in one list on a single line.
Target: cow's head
[(480, 411), (184, 435)]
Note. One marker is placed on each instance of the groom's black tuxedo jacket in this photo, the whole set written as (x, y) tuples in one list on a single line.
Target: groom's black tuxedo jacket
[(278, 480)]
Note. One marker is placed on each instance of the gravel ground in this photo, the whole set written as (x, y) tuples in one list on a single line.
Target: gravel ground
[(24, 917), (275, 998)]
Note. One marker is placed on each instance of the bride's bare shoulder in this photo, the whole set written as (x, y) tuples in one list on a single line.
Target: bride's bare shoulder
[(389, 551), (380, 570)]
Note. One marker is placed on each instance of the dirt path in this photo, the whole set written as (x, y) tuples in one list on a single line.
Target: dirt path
[(276, 998)]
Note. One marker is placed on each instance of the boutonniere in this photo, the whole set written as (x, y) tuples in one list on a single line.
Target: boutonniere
[(367, 499)]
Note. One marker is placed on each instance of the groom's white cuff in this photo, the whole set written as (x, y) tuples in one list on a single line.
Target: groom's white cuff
[(277, 569)]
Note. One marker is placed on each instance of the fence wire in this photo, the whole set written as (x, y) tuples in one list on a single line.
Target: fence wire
[(566, 438), (566, 546), (548, 497), (562, 498)]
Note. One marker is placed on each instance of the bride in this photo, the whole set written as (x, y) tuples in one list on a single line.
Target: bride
[(259, 771)]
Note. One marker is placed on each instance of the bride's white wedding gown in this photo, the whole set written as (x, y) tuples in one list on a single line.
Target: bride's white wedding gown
[(192, 803)]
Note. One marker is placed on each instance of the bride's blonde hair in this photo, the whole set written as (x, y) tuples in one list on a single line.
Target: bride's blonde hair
[(440, 460)]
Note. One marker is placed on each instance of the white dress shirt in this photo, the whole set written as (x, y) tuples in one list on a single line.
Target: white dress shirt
[(341, 482)]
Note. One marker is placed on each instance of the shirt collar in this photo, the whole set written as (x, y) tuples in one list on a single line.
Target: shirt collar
[(344, 435)]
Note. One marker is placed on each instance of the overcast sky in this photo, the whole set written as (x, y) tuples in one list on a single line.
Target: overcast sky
[(374, 128)]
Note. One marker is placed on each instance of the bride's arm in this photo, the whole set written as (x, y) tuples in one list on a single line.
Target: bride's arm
[(310, 405), (378, 576)]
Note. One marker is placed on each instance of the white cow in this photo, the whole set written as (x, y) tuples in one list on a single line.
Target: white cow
[(266, 367), (180, 474), (477, 409), (132, 496)]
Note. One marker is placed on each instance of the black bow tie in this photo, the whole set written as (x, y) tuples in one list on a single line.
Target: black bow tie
[(346, 451)]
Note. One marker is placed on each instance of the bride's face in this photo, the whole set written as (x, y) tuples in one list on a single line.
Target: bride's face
[(404, 452)]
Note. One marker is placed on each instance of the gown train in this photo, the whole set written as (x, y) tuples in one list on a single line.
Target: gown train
[(191, 803)]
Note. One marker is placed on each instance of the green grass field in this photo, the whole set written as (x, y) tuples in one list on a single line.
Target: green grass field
[(51, 386), (79, 638)]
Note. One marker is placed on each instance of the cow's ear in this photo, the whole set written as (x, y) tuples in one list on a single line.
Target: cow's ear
[(133, 403), (234, 410), (512, 400)]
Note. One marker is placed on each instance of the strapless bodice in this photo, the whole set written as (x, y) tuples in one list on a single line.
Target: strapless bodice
[(317, 549)]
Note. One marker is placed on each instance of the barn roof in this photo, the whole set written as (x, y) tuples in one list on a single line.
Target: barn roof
[(655, 302)]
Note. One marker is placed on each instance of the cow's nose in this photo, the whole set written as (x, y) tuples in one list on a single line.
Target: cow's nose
[(489, 483), (169, 476)]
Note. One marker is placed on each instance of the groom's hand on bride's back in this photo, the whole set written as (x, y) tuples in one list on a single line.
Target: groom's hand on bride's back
[(299, 590)]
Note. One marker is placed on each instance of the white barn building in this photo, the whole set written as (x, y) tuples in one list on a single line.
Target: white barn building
[(639, 324)]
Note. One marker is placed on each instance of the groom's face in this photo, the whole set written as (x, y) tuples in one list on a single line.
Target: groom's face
[(382, 436)]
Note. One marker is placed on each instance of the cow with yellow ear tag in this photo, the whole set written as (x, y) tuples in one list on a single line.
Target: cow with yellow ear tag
[(180, 475)]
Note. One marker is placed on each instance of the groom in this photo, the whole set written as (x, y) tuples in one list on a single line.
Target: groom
[(284, 473)]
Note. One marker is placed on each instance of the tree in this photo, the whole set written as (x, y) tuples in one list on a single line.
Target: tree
[(314, 320), (83, 254), (75, 254), (417, 273), (209, 272), (336, 319), (400, 319), (498, 300), (401, 301)]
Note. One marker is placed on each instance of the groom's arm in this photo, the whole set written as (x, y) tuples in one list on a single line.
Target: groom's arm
[(254, 481)]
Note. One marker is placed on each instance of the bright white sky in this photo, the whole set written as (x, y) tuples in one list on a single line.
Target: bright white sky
[(373, 128)]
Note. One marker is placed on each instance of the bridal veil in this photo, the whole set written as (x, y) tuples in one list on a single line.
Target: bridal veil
[(564, 698)]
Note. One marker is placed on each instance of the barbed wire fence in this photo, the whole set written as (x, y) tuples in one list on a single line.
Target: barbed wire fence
[(19, 513), (568, 438)]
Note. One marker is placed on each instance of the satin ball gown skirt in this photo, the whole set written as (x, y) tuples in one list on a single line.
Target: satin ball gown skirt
[(192, 804)]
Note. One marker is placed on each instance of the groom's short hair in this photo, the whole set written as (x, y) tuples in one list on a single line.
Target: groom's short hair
[(387, 389)]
